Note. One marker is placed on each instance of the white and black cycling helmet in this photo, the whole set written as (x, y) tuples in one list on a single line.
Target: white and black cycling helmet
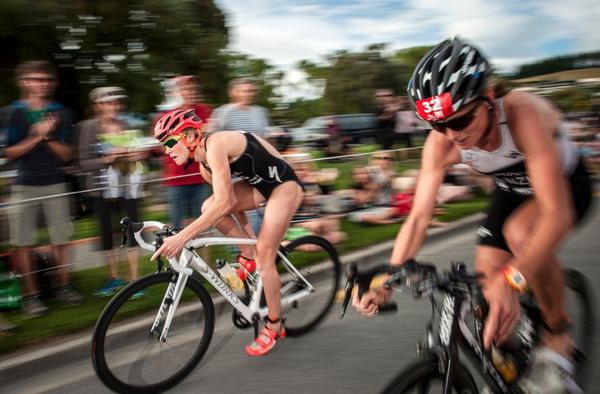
[(451, 75)]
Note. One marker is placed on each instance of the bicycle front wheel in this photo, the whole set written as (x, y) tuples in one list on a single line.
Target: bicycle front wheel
[(317, 262), (424, 376), (126, 351)]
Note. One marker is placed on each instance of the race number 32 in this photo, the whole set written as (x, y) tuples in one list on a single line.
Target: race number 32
[(435, 108)]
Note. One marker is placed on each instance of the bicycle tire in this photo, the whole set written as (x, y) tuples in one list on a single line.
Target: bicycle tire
[(299, 322), (583, 332), (199, 314), (420, 373)]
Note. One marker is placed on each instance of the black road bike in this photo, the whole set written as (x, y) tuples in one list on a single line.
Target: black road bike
[(456, 329)]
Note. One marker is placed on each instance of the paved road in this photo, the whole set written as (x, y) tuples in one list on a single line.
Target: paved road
[(352, 355)]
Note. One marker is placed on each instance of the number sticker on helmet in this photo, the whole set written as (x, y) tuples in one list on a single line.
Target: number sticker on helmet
[(435, 108)]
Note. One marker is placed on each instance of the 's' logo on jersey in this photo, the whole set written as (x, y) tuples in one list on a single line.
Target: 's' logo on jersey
[(484, 232), (273, 173)]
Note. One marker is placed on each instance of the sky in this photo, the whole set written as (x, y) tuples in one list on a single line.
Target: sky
[(510, 32)]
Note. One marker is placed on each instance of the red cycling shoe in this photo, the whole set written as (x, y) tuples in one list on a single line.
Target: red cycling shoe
[(265, 342), (247, 266)]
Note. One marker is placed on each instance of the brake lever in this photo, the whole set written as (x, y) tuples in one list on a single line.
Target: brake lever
[(393, 280), (159, 264), (124, 226), (350, 281)]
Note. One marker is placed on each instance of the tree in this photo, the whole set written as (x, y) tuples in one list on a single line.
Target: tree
[(350, 78), (265, 75), (134, 44)]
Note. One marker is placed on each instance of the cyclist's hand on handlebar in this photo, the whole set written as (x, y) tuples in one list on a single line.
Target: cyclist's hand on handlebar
[(170, 247), (504, 311), (370, 301)]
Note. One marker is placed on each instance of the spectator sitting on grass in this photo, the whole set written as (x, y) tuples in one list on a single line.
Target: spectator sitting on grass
[(398, 209), (382, 172), (309, 216), (456, 186), (364, 190)]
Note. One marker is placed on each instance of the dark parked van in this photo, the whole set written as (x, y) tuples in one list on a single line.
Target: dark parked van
[(360, 128)]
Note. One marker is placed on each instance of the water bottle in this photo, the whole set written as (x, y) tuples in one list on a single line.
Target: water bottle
[(229, 275), (505, 364), (514, 355)]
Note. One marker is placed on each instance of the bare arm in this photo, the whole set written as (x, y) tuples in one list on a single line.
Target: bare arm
[(20, 149), (533, 133), (218, 161), (438, 153), (63, 151)]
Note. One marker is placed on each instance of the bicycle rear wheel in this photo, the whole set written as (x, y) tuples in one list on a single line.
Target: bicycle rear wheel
[(317, 261), (578, 303), (129, 358), (424, 376)]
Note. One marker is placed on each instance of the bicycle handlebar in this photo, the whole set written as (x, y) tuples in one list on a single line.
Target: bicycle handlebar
[(421, 277), (137, 228)]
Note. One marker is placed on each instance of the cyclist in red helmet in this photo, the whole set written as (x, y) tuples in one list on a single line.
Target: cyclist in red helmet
[(542, 190), (265, 178)]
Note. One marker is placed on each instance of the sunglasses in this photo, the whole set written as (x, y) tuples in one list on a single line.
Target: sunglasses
[(382, 158), (171, 141), (41, 79), (457, 124)]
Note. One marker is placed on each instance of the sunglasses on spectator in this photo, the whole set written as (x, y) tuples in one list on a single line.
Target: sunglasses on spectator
[(457, 124), (40, 79), (171, 141), (382, 158)]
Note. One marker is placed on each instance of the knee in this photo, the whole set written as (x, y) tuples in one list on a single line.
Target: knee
[(265, 256), (515, 238)]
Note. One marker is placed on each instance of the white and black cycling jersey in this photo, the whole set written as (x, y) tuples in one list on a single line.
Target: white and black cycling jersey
[(507, 163)]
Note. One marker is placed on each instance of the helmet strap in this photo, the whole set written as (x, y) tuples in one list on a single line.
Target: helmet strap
[(490, 123), (192, 145), (189, 162)]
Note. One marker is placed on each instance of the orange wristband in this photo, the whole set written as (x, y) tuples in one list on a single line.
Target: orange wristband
[(515, 278)]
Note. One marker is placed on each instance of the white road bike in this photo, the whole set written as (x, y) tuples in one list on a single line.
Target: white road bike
[(150, 352)]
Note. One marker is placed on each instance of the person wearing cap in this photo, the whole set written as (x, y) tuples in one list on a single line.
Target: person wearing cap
[(37, 131), (109, 157), (186, 188)]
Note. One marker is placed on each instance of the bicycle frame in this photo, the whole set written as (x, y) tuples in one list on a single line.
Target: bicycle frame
[(454, 333), (189, 261)]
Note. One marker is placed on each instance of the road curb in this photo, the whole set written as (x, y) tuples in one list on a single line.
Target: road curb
[(78, 346)]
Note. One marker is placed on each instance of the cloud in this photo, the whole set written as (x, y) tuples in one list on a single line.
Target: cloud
[(510, 32), (285, 32)]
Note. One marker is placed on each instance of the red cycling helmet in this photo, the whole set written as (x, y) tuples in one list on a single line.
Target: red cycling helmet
[(176, 122)]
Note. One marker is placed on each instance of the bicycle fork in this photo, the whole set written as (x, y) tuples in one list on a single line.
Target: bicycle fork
[(169, 305)]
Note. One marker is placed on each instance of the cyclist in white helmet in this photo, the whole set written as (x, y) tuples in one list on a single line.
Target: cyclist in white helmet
[(542, 191)]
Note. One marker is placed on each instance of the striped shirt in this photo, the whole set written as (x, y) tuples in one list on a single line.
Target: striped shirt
[(253, 119)]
